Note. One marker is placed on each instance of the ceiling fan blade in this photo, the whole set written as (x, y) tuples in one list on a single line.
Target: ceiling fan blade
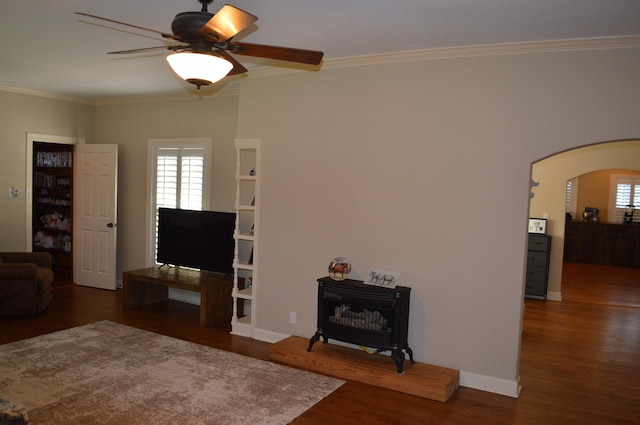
[(163, 34), (144, 49), (310, 57), (238, 68), (226, 23)]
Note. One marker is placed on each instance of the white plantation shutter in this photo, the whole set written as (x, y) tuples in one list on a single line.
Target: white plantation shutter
[(623, 194), (571, 195), (166, 178), (179, 180), (627, 192), (192, 179)]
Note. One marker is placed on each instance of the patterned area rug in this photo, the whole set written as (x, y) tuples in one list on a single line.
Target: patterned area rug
[(107, 373)]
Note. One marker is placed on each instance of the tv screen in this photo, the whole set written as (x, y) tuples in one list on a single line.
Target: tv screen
[(197, 239)]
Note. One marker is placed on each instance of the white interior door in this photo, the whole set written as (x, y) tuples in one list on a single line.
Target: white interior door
[(95, 209)]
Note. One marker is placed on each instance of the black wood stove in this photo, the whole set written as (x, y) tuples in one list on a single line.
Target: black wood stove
[(365, 315)]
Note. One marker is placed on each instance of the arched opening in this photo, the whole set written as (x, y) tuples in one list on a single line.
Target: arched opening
[(552, 174)]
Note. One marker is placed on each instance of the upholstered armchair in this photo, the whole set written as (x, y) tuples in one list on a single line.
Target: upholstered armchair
[(25, 282)]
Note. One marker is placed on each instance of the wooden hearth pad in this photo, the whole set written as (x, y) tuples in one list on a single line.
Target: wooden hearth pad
[(422, 380)]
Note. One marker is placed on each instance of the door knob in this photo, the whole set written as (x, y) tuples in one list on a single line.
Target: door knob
[(112, 225)]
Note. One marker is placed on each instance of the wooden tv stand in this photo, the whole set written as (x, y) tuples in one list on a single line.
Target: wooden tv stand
[(151, 285)]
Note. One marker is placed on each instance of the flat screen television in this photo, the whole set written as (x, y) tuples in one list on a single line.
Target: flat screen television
[(198, 239)]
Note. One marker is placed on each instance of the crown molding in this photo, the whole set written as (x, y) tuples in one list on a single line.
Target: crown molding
[(231, 92), (56, 96), (464, 51), (396, 57)]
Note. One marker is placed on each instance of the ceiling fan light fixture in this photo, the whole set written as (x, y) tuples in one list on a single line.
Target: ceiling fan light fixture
[(200, 69)]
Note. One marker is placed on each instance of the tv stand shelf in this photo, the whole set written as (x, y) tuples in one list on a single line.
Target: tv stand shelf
[(151, 285)]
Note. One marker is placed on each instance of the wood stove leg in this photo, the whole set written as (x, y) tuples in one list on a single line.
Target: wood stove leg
[(410, 351), (315, 338), (398, 357)]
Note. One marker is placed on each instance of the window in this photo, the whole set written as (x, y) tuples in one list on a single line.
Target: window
[(571, 196), (179, 178), (625, 191)]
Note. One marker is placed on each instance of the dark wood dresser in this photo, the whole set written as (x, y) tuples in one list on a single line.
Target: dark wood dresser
[(538, 256), (602, 243)]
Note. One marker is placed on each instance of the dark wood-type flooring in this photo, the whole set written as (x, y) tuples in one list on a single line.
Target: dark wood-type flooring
[(580, 358)]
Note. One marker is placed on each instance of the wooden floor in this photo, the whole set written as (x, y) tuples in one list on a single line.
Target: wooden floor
[(580, 358)]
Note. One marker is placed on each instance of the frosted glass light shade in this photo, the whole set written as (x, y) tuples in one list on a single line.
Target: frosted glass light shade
[(200, 69)]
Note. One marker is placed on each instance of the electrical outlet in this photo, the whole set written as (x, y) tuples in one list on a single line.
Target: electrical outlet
[(292, 317)]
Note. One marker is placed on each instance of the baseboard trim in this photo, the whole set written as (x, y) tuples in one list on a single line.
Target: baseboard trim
[(268, 336), (189, 297), (490, 384), (554, 296)]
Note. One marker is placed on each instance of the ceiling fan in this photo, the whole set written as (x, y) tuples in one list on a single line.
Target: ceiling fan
[(202, 57)]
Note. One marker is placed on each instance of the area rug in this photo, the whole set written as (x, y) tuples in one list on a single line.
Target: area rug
[(107, 373)]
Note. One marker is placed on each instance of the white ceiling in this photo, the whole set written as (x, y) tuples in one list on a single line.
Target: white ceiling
[(46, 47)]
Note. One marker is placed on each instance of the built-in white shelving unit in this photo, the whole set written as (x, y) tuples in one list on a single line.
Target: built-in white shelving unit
[(246, 236)]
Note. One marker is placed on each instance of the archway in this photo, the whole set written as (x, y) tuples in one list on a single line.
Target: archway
[(552, 174)]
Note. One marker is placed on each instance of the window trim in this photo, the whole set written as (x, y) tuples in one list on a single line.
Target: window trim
[(152, 145)]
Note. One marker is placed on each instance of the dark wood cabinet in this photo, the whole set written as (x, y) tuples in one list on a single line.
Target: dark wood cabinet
[(538, 256), (582, 242), (53, 206), (602, 243), (618, 245)]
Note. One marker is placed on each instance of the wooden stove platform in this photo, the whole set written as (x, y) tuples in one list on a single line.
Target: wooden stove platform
[(420, 379)]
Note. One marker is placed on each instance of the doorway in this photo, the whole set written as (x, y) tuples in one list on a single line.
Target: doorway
[(52, 207), (49, 186), (549, 198), (93, 219)]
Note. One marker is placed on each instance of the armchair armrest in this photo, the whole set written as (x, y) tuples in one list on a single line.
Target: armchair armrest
[(39, 258), (25, 282), (18, 289), (17, 272)]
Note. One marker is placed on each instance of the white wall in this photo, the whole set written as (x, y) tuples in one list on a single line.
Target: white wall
[(424, 168), (552, 174)]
